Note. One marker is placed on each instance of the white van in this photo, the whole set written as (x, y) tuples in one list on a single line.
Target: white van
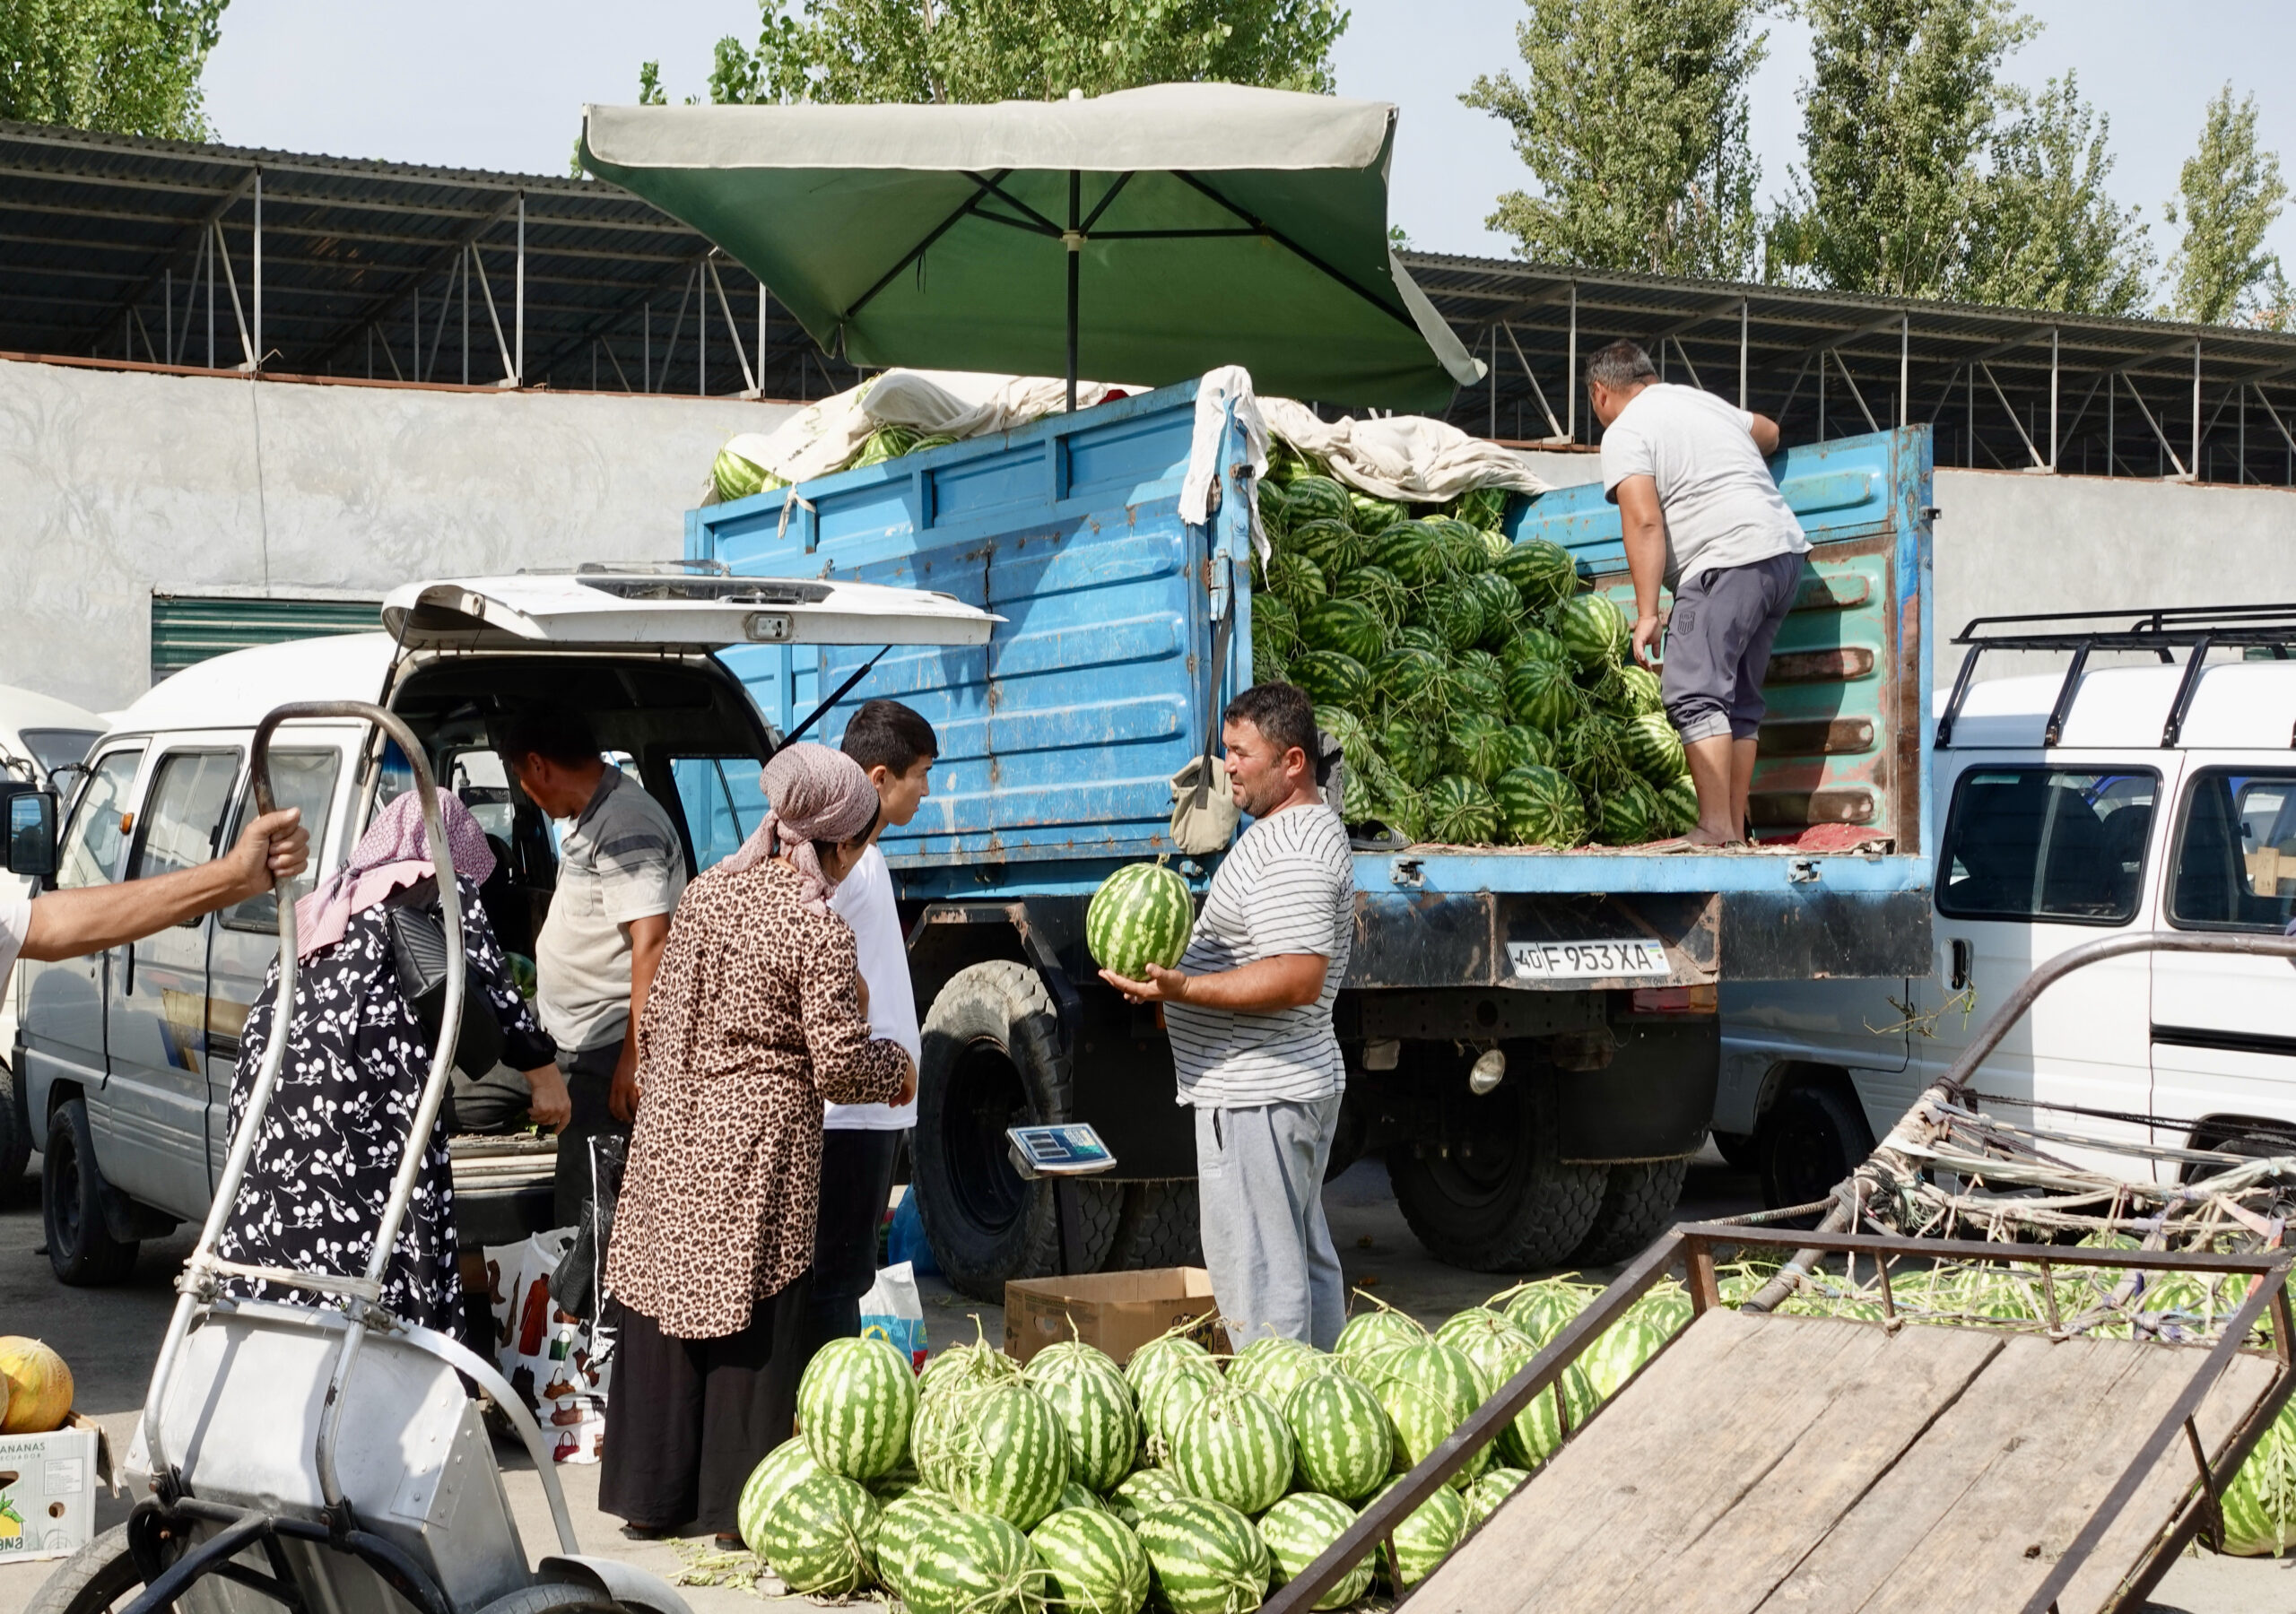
[(124, 1060), (2075, 804)]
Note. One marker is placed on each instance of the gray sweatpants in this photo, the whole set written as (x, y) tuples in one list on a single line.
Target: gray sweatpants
[(1718, 636), (1259, 1181)]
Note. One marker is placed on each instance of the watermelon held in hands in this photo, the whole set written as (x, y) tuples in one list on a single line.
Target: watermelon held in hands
[(1331, 678), (1205, 1556), (821, 1538), (1460, 812), (1538, 807), (1141, 914), (1300, 1529), (1092, 1562), (1593, 631), (854, 1404)]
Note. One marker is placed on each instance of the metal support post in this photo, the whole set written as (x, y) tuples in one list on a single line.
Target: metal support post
[(1493, 431), (1821, 398), (700, 333), (2112, 433), (2052, 401), (1571, 382), (168, 302), (414, 314), (255, 353), (1745, 316), (231, 282), (1905, 370), (761, 339), (2195, 461), (648, 374), (462, 269), (207, 257), (1968, 401), (2240, 474), (519, 314), (1554, 426)]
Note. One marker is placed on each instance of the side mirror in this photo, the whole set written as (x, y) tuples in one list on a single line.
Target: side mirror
[(30, 845)]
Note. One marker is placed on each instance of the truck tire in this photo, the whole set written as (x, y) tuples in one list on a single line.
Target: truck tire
[(992, 1060), (1812, 1138), (1637, 1202), (15, 1143), (1738, 1150), (1512, 1205), (99, 1576), (79, 1246), (1161, 1226)]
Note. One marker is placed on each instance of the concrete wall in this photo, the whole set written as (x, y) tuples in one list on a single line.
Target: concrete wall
[(113, 483)]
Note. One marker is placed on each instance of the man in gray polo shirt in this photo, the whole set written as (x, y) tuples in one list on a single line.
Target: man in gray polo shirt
[(620, 872)]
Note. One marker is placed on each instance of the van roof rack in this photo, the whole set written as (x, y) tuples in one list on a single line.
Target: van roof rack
[(2199, 629)]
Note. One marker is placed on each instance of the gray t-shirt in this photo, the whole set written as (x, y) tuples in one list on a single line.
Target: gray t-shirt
[(1722, 507), (618, 861), (1287, 887)]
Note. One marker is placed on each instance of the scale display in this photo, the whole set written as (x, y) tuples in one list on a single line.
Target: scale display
[(1071, 1150)]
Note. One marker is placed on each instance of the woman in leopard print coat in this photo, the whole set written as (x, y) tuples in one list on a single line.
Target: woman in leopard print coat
[(754, 1019)]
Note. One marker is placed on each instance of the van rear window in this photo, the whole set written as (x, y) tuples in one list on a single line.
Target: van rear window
[(2059, 844), (2236, 851)]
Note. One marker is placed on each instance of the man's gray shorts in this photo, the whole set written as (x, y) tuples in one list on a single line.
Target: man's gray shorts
[(1718, 645)]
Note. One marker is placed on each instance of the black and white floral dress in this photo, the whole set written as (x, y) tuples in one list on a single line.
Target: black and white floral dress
[(357, 1057)]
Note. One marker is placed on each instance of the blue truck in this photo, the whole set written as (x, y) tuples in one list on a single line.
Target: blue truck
[(1592, 974)]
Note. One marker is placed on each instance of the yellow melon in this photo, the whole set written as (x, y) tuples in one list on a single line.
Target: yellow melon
[(39, 1387)]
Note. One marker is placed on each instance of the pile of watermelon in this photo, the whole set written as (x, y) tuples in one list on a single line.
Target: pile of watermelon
[(987, 1487), (1478, 695)]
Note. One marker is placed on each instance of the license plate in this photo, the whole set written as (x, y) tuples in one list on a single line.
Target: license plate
[(1587, 960)]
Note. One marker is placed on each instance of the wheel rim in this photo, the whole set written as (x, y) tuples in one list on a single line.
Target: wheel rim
[(66, 1165), (1806, 1161), (1484, 1174), (985, 1095)]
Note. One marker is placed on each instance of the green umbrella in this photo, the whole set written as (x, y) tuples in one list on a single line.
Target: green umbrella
[(1144, 237)]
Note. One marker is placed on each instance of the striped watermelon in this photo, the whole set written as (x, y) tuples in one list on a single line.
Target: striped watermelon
[(1464, 549), (821, 1536), (1537, 1432), (1377, 588), (1312, 498), (1540, 1309), (1334, 546), (1276, 626), (1297, 580), (1491, 1344), (1073, 1495), (1345, 727), (1484, 664), (1092, 1562), (1370, 1335), (1544, 572), (1667, 1306), (1654, 750), (973, 1564), (1206, 1557), (1428, 1390), (1460, 812), (2260, 1503), (1539, 747), (1067, 1357), (1512, 747), (897, 1480), (1408, 677), (1140, 1491), (1593, 631), (1627, 814), (1373, 515), (1273, 1365), (1002, 1451), (1643, 691), (1538, 807), (962, 1366), (1594, 753), (1411, 635), (1274, 508), (1234, 1446), (1531, 642), (1141, 914), (1343, 1441), (1678, 804), (1162, 1354), (1502, 608), (1328, 675), (855, 1403), (1469, 686), (1541, 693), (1424, 1537), (1625, 1345), (1411, 550), (1096, 1413), (1468, 747), (1482, 508), (1455, 611), (1298, 1530), (1165, 1400), (1403, 808), (1411, 750), (898, 1528), (1484, 1496), (780, 1471)]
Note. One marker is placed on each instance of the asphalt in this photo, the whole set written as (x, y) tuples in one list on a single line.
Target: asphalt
[(108, 1337)]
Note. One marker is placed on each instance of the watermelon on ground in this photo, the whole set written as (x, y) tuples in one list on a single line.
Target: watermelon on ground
[(1234, 1446), (1544, 572), (1205, 1556), (1369, 1335), (1328, 676), (1592, 630), (1621, 1352), (1006, 1455), (1311, 497), (854, 1404), (1428, 1390), (1541, 693), (1654, 750), (1488, 1340), (1484, 1496), (780, 1471), (1540, 1309), (1273, 1365), (1377, 588), (821, 1536), (1162, 1354), (1537, 1433), (1341, 1438), (1096, 1412), (1167, 1397), (1141, 914), (1092, 1562), (973, 1563), (1538, 807), (899, 1526), (1334, 546), (1300, 1529), (1460, 812), (1140, 1491), (1424, 1537), (2260, 1503)]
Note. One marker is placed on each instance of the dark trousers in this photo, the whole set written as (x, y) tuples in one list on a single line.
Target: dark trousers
[(688, 1419), (590, 1079), (856, 1180)]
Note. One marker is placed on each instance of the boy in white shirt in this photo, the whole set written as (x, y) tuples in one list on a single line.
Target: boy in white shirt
[(860, 1143)]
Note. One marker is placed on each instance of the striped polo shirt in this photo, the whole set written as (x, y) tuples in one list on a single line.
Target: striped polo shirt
[(1287, 887)]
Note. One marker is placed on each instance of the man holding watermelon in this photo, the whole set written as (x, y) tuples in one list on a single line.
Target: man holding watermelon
[(1249, 1010), (1701, 513)]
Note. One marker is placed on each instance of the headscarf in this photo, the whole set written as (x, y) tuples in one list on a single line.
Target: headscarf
[(813, 793), (393, 853)]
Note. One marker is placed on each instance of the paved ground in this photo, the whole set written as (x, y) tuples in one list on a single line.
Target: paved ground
[(108, 1336)]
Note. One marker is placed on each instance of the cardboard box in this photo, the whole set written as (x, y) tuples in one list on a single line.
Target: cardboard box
[(1116, 1312), (48, 1492)]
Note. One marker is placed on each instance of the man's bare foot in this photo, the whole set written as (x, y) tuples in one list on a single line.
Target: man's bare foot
[(1700, 835)]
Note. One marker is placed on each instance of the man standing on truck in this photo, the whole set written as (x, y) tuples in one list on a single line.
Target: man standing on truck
[(896, 748), (1700, 512), (1249, 1011), (620, 872)]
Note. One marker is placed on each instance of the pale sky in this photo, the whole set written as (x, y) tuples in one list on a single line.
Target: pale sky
[(499, 84)]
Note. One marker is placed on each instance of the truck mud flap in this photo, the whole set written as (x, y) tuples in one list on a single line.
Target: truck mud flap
[(1653, 1101)]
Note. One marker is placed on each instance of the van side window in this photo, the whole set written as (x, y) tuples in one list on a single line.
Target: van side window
[(2236, 853), (98, 829), (2047, 843), (182, 820), (304, 779)]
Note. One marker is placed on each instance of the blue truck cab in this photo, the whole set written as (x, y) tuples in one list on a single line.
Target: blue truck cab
[(1593, 973)]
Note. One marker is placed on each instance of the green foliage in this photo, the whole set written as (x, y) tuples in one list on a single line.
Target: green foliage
[(987, 51), (1632, 121), (2231, 193), (2048, 235), (126, 66)]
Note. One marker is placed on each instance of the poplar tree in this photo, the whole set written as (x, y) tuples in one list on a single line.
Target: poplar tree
[(123, 66), (2230, 193)]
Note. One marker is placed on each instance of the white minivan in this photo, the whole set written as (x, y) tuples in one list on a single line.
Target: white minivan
[(2075, 803), (124, 1060)]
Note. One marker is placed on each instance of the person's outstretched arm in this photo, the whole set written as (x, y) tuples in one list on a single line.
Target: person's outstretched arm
[(66, 924)]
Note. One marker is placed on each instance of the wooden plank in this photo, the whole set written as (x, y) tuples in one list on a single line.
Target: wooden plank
[(1730, 1558), (1656, 1459)]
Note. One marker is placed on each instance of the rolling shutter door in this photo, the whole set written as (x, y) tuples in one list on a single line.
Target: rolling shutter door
[(190, 627)]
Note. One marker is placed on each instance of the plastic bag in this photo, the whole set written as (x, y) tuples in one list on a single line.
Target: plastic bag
[(561, 1365), (905, 1240), (579, 1282), (892, 1312)]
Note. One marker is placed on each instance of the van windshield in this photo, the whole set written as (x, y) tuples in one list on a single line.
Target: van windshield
[(2047, 843)]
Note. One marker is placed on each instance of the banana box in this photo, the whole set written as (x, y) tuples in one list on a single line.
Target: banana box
[(47, 1493)]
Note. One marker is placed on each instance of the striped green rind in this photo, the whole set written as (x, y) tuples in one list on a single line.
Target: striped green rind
[(1471, 685), (1502, 608), (1370, 1334), (1066, 1355), (1342, 1441), (1326, 675), (1205, 1556), (2260, 1503), (1073, 1495), (973, 1564), (1644, 693), (1140, 1491), (1335, 546), (1428, 1390), (1096, 1414), (996, 1451), (1454, 609), (1165, 1400), (1141, 914), (1532, 642), (1373, 515), (1275, 1366), (1312, 498), (1234, 1446), (1460, 812), (1299, 580), (1411, 550), (1544, 572), (1541, 1309), (820, 1536), (1593, 631), (1536, 1433), (1411, 748), (1377, 587), (1409, 679), (1627, 814), (1543, 694), (1298, 1529), (855, 1403), (1093, 1563), (1491, 1344), (898, 1529), (1538, 807), (959, 1366), (1484, 1496), (1654, 750), (1678, 805), (781, 1469), (1424, 1537), (1351, 627), (1625, 1345), (1159, 1354)]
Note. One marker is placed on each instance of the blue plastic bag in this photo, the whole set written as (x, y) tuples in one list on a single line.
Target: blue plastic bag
[(906, 1242)]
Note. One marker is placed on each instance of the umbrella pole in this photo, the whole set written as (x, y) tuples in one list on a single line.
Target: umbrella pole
[(1075, 244)]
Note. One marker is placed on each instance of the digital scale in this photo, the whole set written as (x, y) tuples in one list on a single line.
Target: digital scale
[(1069, 1150)]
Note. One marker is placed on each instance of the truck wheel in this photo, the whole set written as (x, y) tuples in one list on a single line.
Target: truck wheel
[(992, 1061), (1161, 1226), (15, 1145), (80, 1247), (99, 1576), (1738, 1150), (1637, 1202), (1812, 1138), (1509, 1206)]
